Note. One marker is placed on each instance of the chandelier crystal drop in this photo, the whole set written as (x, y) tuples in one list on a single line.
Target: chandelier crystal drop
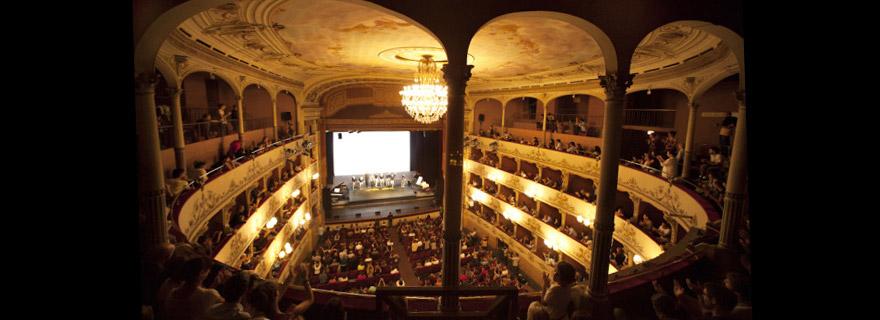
[(426, 99)]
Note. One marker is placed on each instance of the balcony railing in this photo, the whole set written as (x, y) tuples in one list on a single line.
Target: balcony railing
[(659, 118)]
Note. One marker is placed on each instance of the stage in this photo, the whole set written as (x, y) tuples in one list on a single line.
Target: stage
[(364, 203)]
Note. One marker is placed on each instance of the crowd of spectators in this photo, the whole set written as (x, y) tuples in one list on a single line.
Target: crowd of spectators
[(552, 144), (181, 284), (355, 259), (729, 298)]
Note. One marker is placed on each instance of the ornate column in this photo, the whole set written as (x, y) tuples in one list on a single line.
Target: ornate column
[(565, 180), (275, 118), (240, 110), (544, 127), (736, 181), (456, 76), (503, 110), (177, 120), (637, 204), (151, 181), (689, 141), (615, 91), (673, 238)]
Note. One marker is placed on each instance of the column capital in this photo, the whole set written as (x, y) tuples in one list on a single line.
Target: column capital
[(175, 92), (457, 74), (634, 198), (145, 82), (693, 105), (239, 98), (615, 85)]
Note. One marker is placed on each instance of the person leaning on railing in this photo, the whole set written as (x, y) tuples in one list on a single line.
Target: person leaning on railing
[(556, 299)]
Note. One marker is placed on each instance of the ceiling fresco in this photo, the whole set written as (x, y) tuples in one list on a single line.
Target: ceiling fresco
[(310, 40)]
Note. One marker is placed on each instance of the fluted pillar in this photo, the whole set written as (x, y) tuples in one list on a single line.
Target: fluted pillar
[(177, 120), (275, 118), (615, 91), (736, 181), (151, 181), (456, 75), (689, 140), (239, 103)]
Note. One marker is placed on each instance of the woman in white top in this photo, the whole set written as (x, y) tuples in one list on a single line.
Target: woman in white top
[(670, 165)]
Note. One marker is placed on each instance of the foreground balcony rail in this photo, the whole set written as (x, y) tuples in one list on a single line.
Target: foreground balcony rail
[(503, 306)]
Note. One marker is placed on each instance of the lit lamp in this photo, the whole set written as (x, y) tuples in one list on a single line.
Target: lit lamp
[(288, 248), (295, 193), (282, 254), (315, 176), (638, 259), (308, 216), (272, 222)]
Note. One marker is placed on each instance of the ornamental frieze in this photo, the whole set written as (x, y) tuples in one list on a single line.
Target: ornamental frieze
[(208, 202)]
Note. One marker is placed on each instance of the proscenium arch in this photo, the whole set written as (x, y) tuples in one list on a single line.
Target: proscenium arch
[(609, 55)]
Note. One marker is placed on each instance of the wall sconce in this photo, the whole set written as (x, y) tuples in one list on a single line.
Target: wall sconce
[(478, 195), (637, 259), (288, 248), (295, 193), (272, 222), (308, 216), (585, 221), (531, 191), (282, 254)]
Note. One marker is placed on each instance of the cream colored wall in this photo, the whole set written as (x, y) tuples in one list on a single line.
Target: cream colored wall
[(492, 111)]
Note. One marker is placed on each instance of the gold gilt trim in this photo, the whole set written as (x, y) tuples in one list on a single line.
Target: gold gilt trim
[(631, 237), (664, 198)]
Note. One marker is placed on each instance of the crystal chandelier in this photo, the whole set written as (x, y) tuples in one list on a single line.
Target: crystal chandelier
[(425, 100)]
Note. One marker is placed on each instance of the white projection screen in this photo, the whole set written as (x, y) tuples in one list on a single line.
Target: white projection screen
[(370, 152)]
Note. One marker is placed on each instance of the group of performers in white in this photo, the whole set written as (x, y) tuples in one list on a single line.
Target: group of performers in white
[(380, 181)]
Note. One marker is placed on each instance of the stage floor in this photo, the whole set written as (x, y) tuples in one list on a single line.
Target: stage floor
[(367, 201), (372, 195), (368, 211)]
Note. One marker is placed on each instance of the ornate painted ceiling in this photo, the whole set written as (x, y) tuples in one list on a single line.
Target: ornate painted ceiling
[(316, 40)]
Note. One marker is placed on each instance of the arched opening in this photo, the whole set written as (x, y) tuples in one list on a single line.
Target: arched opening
[(577, 114), (661, 111), (203, 95), (523, 116), (257, 113), (287, 114), (164, 99), (487, 116)]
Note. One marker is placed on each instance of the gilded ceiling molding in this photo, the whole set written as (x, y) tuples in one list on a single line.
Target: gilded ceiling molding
[(179, 44), (316, 92)]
